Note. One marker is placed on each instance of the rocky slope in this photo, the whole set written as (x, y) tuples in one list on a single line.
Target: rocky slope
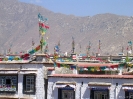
[(19, 25)]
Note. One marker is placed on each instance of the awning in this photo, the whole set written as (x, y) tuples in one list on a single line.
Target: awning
[(99, 84), (28, 72), (9, 72), (65, 84), (18, 71), (127, 86)]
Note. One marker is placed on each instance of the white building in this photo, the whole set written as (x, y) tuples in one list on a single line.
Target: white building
[(21, 80), (67, 80), (73, 86), (99, 84)]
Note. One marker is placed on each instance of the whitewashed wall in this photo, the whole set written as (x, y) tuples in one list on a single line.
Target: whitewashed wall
[(40, 93), (84, 92)]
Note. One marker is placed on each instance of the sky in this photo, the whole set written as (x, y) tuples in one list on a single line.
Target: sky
[(86, 7)]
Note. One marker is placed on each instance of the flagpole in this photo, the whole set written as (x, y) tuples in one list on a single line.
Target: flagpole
[(88, 48), (33, 43), (59, 46), (73, 45), (80, 48), (99, 48), (42, 30)]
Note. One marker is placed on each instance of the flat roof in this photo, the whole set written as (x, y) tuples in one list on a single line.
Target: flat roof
[(24, 62), (96, 64), (91, 76)]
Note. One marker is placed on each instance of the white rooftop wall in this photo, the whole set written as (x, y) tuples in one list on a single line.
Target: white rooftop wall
[(83, 92)]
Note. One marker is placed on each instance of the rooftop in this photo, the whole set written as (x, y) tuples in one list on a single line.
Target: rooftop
[(91, 76)]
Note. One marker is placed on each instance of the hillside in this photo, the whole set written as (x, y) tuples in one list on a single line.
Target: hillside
[(19, 25)]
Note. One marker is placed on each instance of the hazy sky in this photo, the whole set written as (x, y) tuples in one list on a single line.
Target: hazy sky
[(86, 7)]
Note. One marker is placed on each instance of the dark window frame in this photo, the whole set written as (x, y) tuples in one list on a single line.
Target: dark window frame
[(127, 92), (92, 92), (65, 88), (24, 84), (11, 92)]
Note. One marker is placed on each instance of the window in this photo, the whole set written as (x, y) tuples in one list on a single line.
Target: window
[(29, 84), (128, 94), (99, 93), (131, 95), (66, 93), (8, 83)]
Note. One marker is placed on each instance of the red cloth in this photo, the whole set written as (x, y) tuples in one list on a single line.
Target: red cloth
[(58, 64), (41, 24), (0, 59), (38, 47), (47, 27)]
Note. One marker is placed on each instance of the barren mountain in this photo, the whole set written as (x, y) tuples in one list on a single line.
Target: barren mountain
[(19, 25)]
